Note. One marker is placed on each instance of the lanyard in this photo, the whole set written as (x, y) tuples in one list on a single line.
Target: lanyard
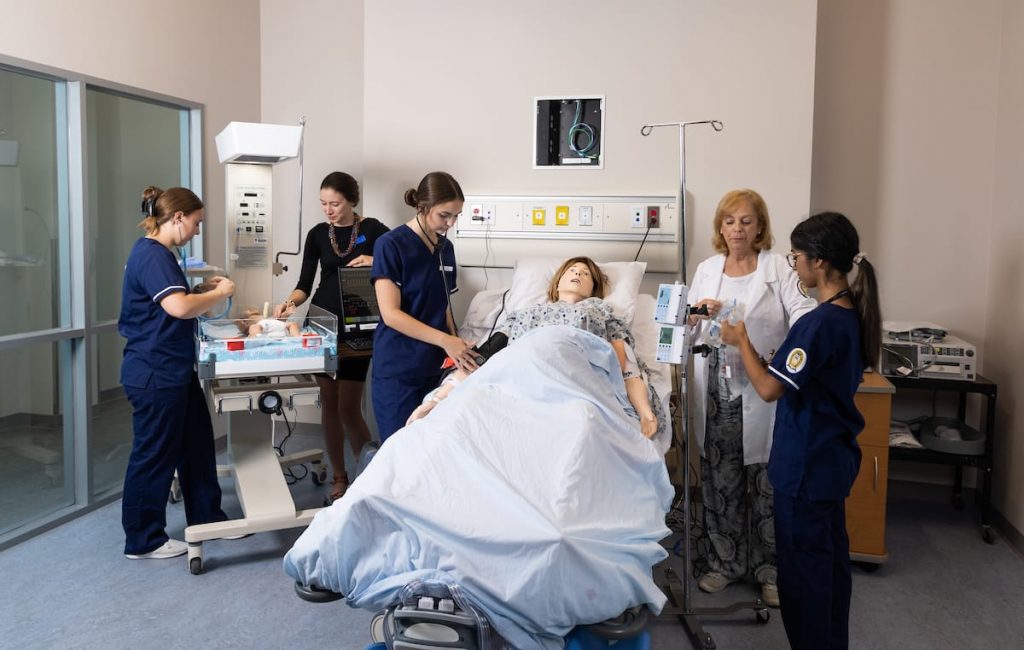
[(844, 292)]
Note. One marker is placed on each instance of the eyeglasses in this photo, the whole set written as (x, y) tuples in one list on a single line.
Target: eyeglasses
[(791, 258)]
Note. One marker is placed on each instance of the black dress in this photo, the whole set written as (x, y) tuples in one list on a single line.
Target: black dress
[(319, 251)]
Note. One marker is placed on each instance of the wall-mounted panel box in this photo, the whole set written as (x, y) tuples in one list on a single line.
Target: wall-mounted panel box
[(569, 132), (604, 227)]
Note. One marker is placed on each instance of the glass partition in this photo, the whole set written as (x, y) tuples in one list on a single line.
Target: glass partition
[(132, 143), (34, 442), (29, 232)]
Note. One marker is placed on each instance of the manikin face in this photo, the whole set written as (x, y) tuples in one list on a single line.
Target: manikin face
[(740, 228), (577, 280), (441, 217), (336, 207)]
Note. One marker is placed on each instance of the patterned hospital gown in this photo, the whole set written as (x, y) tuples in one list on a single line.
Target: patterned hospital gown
[(595, 316)]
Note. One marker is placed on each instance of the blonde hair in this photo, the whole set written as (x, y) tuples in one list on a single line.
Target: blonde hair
[(730, 202), (158, 206), (600, 279)]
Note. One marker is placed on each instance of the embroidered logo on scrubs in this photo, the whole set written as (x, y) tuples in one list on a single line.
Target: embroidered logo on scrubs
[(802, 288), (796, 360)]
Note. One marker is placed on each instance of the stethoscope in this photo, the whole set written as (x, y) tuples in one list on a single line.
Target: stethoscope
[(437, 248)]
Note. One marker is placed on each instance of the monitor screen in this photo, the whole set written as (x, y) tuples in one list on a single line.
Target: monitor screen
[(358, 299)]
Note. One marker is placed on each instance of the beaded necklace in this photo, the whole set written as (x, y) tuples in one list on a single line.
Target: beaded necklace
[(351, 240)]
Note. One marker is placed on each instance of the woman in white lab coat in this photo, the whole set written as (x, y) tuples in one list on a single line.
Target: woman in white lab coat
[(733, 425)]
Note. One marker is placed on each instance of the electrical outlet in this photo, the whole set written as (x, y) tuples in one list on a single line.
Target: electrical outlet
[(476, 213), (586, 215), (653, 216), (636, 213), (490, 214)]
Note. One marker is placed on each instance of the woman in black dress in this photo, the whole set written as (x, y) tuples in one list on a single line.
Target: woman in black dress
[(346, 238)]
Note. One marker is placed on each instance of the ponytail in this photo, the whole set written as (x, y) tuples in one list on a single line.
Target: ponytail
[(158, 206), (830, 236), (865, 293)]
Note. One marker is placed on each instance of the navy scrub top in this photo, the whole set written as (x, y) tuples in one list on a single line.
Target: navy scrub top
[(160, 351), (401, 256), (814, 450)]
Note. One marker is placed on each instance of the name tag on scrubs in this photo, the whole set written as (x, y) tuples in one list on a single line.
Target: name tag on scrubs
[(449, 269)]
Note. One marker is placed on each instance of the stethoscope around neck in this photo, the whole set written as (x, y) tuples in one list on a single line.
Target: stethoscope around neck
[(436, 249)]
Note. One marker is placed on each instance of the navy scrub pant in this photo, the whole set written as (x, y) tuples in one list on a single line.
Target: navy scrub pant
[(172, 431), (395, 398), (813, 571)]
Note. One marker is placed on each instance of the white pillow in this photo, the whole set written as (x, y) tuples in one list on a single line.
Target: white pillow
[(531, 278)]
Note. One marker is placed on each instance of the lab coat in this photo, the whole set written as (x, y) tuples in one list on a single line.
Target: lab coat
[(773, 303)]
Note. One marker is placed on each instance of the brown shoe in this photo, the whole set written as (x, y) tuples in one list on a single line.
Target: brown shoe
[(339, 485)]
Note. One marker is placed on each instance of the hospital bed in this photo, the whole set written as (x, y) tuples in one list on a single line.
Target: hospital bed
[(250, 380), (483, 479)]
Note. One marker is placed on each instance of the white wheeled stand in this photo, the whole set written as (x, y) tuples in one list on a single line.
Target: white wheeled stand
[(255, 465)]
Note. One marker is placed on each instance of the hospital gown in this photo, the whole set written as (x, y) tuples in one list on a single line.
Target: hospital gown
[(593, 315)]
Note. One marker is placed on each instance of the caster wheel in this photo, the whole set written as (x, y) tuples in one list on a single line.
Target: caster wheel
[(318, 476), (763, 616), (988, 535), (195, 565)]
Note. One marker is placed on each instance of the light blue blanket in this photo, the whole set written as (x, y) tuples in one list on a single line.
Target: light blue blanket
[(529, 486)]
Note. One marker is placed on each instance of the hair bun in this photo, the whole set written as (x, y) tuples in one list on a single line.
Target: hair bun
[(410, 198), (151, 193)]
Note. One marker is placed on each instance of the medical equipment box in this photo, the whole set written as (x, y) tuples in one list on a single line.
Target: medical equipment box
[(947, 357)]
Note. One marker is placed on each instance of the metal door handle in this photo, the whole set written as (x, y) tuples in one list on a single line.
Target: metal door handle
[(876, 474)]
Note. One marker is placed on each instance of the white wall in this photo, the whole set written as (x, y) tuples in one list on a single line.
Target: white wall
[(918, 138), (200, 51), (905, 130), (1005, 296), (311, 67), (450, 86)]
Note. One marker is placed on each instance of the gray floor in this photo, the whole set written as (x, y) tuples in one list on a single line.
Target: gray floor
[(71, 587)]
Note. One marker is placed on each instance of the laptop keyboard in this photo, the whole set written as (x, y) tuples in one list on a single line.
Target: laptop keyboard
[(360, 344)]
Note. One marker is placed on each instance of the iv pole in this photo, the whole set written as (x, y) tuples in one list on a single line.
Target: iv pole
[(680, 589), (645, 131)]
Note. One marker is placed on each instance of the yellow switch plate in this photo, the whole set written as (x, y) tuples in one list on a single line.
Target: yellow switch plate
[(538, 216), (561, 215)]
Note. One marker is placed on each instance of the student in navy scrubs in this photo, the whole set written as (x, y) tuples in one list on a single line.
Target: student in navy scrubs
[(814, 457), (170, 419), (346, 238), (413, 276)]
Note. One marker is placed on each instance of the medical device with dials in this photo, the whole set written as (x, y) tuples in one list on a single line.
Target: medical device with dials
[(925, 350)]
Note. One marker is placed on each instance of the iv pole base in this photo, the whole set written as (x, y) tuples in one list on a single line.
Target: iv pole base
[(689, 617)]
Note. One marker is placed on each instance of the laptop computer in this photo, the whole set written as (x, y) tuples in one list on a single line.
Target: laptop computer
[(359, 312)]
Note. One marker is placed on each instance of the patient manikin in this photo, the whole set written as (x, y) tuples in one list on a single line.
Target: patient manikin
[(575, 293), (253, 324)]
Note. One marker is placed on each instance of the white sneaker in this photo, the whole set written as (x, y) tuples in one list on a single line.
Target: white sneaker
[(770, 595), (713, 581), (171, 548)]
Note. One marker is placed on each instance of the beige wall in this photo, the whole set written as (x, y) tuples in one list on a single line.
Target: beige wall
[(905, 129), (311, 67), (450, 86), (1005, 296), (917, 137), (200, 51)]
